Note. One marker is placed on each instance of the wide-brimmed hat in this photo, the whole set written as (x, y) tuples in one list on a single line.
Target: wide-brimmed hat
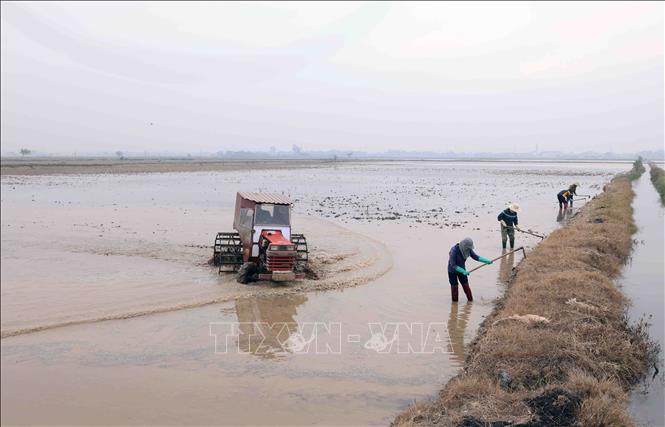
[(514, 207)]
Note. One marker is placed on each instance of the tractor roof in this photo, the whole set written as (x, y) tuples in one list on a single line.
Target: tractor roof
[(277, 199)]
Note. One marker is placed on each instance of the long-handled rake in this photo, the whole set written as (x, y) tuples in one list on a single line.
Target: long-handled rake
[(532, 233), (521, 248), (528, 232)]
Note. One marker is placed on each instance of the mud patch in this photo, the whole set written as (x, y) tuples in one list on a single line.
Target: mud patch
[(556, 407), (310, 273)]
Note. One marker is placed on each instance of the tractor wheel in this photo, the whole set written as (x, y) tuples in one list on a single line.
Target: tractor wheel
[(302, 253), (227, 252), (247, 273)]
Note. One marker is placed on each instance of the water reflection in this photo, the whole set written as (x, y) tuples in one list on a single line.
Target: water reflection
[(266, 323), (569, 213), (564, 214), (505, 267), (456, 327)]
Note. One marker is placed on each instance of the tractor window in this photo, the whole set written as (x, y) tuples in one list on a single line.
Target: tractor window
[(246, 218), (268, 214)]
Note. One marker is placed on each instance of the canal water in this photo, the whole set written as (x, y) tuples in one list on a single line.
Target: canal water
[(644, 282)]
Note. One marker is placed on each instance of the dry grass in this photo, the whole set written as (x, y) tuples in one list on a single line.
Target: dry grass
[(581, 363), (603, 403)]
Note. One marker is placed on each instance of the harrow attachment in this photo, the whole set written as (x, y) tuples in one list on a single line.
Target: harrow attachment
[(227, 252), (302, 256)]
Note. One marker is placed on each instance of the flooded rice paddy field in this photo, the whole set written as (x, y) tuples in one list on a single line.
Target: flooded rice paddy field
[(77, 250)]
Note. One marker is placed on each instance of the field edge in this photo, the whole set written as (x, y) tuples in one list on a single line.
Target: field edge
[(557, 348)]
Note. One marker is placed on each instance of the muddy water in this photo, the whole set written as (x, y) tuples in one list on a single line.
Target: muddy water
[(163, 368), (643, 280), (69, 257)]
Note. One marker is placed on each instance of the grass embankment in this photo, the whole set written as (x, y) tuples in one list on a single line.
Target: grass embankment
[(658, 179), (576, 365)]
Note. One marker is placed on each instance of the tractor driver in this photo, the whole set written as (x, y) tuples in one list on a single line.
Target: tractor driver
[(263, 215)]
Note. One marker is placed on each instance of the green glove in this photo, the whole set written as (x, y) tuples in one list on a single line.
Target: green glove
[(461, 270), (485, 260)]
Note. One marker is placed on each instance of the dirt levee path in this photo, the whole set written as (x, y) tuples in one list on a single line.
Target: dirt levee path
[(557, 350), (117, 166)]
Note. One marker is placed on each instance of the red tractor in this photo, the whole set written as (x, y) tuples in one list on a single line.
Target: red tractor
[(262, 247)]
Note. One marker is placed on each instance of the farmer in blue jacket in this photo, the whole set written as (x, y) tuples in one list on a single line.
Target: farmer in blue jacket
[(457, 268), (508, 220)]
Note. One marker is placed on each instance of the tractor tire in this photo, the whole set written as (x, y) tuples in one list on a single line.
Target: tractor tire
[(247, 273)]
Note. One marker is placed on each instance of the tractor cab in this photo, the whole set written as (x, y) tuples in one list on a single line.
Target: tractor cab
[(256, 212), (263, 246)]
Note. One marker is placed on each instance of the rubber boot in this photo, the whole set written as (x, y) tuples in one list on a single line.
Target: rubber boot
[(454, 291), (512, 243), (467, 291)]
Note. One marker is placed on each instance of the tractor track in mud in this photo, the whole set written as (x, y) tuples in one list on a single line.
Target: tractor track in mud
[(375, 260)]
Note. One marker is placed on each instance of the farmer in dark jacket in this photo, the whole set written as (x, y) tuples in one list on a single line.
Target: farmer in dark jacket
[(457, 269), (564, 197), (573, 192), (508, 220)]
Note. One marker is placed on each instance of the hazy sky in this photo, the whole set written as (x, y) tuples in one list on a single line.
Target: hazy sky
[(90, 77)]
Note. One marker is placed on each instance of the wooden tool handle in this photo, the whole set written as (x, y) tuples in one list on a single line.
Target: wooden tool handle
[(521, 248)]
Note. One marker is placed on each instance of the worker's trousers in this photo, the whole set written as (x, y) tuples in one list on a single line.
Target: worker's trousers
[(563, 202), (507, 232), (454, 290)]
